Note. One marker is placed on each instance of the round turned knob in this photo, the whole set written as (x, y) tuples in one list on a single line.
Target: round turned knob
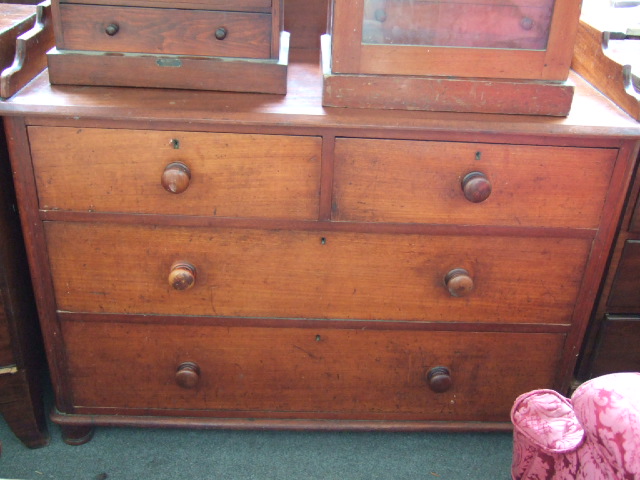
[(188, 375), (182, 276), (221, 33), (476, 187), (176, 177), (112, 29), (458, 282), (439, 379)]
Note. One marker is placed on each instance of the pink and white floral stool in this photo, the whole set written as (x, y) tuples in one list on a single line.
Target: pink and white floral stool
[(593, 436)]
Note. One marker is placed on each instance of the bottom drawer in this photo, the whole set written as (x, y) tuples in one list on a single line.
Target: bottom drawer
[(292, 372)]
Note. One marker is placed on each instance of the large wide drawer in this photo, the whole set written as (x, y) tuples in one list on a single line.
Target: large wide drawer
[(320, 373), (420, 181), (117, 268), (231, 175), (169, 31)]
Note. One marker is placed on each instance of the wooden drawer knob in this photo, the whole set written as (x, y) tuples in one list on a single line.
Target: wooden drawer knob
[(439, 379), (476, 187), (221, 33), (188, 375), (176, 177), (458, 282), (182, 276), (112, 29)]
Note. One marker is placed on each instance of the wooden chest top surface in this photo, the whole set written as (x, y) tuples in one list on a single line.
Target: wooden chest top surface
[(10, 15), (591, 114)]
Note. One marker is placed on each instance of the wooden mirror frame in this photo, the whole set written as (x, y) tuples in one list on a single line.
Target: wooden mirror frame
[(350, 55)]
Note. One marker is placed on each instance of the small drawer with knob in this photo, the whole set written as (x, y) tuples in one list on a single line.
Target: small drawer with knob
[(169, 31), (285, 372), (180, 173), (242, 272), (410, 181)]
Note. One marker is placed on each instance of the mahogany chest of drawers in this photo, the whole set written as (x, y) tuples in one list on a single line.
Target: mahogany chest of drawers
[(207, 259), (612, 343)]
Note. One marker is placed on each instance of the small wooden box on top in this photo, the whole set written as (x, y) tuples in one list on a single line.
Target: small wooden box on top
[(449, 55), (229, 45)]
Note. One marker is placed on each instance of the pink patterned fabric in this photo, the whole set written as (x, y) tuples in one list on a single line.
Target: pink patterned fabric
[(593, 436), (546, 436)]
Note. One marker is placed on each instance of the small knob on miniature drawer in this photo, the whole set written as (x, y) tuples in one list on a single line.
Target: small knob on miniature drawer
[(458, 282), (176, 177), (188, 375), (476, 187), (439, 379), (112, 29), (182, 276), (221, 33)]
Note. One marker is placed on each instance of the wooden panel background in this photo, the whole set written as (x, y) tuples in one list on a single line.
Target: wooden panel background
[(306, 20)]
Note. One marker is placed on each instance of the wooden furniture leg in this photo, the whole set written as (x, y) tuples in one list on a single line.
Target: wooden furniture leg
[(76, 435), (22, 407)]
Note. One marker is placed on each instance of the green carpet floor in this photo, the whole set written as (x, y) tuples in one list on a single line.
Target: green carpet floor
[(154, 454)]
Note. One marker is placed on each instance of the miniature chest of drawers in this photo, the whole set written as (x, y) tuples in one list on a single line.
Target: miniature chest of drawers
[(230, 45), (262, 262)]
